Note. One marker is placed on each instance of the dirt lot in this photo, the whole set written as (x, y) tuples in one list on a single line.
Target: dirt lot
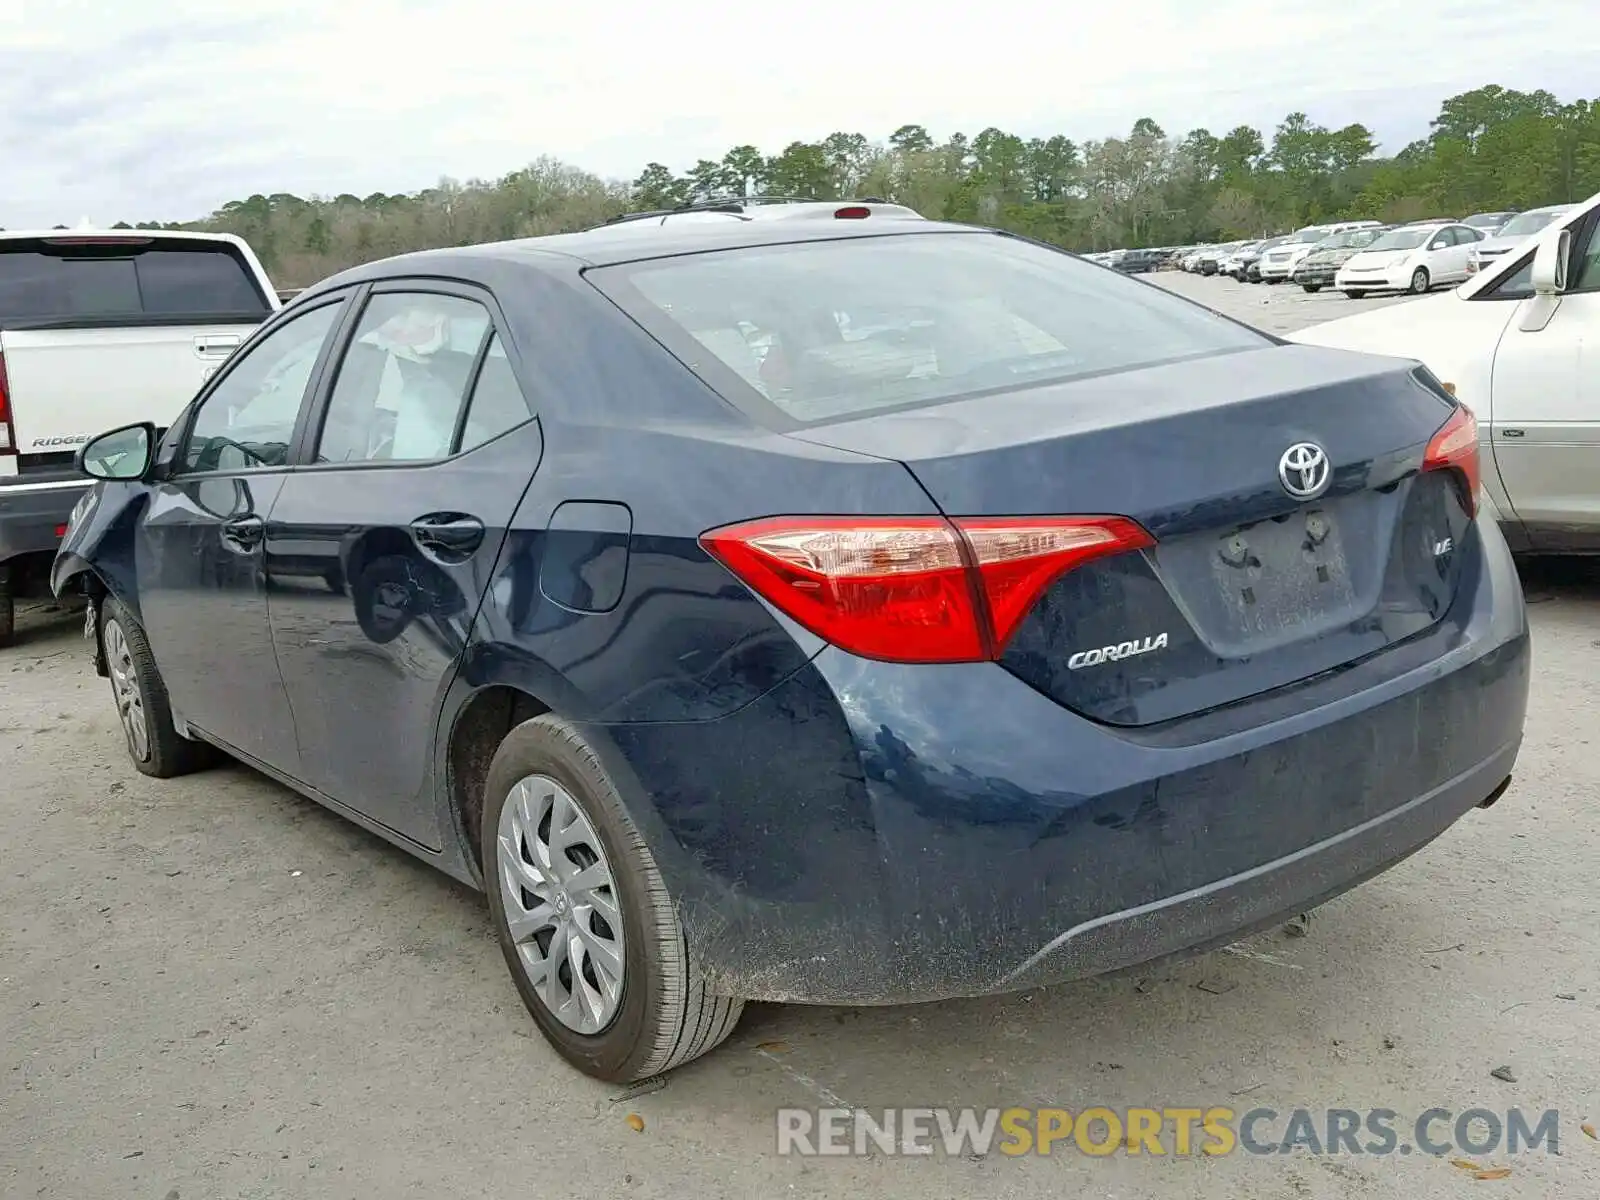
[(213, 988)]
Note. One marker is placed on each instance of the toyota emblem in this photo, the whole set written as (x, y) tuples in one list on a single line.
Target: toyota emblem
[(1304, 470)]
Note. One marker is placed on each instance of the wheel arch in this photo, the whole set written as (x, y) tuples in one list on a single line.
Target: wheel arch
[(498, 688), (479, 726)]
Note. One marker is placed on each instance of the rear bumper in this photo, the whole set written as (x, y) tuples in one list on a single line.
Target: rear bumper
[(868, 833), (29, 517), (1219, 913)]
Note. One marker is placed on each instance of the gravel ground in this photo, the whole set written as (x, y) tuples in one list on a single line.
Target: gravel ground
[(213, 988)]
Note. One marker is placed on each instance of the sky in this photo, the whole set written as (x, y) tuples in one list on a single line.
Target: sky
[(166, 109)]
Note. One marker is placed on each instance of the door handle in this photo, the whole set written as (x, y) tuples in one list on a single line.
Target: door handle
[(216, 345), (448, 535), (245, 532)]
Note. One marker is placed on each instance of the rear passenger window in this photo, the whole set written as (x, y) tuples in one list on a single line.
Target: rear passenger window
[(404, 379), (497, 401)]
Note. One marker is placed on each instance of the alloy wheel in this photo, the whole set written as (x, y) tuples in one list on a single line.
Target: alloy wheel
[(125, 687), (561, 904)]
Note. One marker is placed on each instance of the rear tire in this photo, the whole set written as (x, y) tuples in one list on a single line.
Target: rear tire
[(1353, 295), (1311, 287), (1419, 281), (154, 743), (656, 1013)]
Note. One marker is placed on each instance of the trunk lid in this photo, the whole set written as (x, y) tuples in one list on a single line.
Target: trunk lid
[(1247, 587)]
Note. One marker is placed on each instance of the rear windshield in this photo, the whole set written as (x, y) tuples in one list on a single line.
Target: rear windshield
[(60, 283), (834, 329)]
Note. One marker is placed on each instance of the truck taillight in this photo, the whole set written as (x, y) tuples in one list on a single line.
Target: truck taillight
[(1455, 447), (8, 433), (914, 589)]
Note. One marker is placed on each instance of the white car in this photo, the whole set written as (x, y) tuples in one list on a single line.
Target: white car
[(1512, 234), (1232, 262), (1518, 344), (1412, 258), (1278, 264)]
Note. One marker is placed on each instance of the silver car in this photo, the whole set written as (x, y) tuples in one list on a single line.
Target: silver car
[(1512, 234)]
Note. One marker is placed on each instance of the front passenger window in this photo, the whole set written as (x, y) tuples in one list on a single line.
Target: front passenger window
[(247, 422)]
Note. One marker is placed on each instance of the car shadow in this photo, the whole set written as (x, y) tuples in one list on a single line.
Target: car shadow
[(1569, 577), (41, 621)]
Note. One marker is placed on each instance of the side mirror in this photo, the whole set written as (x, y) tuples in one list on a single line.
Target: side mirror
[(1549, 273), (120, 454)]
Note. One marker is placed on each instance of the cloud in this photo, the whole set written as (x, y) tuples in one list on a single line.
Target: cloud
[(123, 111)]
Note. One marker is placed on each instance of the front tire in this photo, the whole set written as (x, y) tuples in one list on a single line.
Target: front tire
[(154, 743), (1419, 281), (1311, 287), (588, 929)]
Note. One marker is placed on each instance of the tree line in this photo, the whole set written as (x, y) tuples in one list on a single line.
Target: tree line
[(1487, 149)]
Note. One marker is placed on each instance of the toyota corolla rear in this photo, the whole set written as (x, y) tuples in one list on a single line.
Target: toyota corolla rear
[(1187, 631)]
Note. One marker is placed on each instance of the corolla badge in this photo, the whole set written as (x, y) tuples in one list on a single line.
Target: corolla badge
[(1304, 470), (1105, 654)]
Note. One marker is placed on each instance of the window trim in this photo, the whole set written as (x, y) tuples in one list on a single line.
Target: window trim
[(302, 455), (267, 329)]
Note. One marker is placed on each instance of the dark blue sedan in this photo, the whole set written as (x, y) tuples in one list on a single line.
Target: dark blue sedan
[(823, 605)]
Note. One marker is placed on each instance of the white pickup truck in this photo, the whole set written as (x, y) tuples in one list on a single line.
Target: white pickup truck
[(100, 328), (1520, 344)]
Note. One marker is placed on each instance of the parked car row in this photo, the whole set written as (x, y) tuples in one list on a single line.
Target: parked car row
[(1360, 258)]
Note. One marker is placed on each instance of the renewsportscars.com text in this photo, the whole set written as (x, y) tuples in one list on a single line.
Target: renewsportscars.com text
[(1169, 1130)]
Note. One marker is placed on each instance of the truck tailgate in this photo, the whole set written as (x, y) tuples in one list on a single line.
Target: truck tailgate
[(67, 385)]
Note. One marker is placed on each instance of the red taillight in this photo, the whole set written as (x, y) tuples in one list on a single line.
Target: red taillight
[(852, 212), (914, 589), (8, 436), (1455, 447)]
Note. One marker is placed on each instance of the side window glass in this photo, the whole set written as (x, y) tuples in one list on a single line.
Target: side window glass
[(1584, 270), (497, 401), (402, 382), (1516, 286), (247, 422)]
